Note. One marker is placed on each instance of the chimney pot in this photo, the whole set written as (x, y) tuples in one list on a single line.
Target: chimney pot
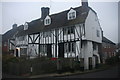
[(84, 3), (14, 26), (44, 12)]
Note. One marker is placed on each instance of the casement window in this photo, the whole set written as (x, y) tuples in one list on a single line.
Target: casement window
[(69, 47), (69, 30), (71, 14), (25, 26), (43, 49), (98, 33), (47, 21), (94, 46)]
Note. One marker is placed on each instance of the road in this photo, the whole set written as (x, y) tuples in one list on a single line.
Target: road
[(113, 72)]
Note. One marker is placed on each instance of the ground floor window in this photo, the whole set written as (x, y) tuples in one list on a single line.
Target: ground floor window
[(23, 51), (69, 47), (43, 49)]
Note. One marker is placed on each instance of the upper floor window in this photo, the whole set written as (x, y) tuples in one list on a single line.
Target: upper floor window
[(98, 33), (69, 30), (25, 26), (71, 14), (47, 21), (94, 46)]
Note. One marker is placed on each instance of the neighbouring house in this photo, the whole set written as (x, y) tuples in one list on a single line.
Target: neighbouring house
[(8, 40), (73, 33), (108, 49)]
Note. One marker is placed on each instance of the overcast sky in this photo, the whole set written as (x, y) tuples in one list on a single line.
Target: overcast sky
[(20, 12)]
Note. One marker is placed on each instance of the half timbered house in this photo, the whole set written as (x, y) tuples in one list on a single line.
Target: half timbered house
[(72, 33)]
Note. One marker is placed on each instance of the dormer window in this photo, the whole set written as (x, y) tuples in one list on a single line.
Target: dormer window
[(47, 21), (26, 26), (71, 14)]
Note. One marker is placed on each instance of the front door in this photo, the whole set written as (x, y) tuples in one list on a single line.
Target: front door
[(49, 50), (16, 52), (61, 50)]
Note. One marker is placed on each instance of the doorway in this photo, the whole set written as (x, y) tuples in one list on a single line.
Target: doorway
[(61, 50), (16, 52), (49, 50)]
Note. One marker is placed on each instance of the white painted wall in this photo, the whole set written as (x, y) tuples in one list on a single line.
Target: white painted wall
[(23, 42), (91, 26), (88, 52)]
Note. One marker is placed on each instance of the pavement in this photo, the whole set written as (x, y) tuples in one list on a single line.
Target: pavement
[(50, 75)]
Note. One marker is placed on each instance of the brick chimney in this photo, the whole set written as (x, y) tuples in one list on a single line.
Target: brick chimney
[(44, 12), (84, 3), (14, 26)]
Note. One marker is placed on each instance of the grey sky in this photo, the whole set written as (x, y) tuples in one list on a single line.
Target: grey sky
[(20, 12), (0, 17)]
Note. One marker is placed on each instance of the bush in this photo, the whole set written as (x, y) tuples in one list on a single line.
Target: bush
[(112, 60)]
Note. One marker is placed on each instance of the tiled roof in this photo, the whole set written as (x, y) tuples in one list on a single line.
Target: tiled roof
[(9, 34), (104, 39), (57, 20)]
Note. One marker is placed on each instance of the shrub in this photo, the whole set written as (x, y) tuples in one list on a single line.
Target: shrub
[(112, 60)]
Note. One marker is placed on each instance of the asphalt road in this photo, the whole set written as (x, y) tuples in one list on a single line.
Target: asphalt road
[(113, 72)]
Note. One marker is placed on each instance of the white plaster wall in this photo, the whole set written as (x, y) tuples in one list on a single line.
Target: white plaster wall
[(24, 42), (78, 49), (91, 27), (88, 52), (95, 52), (53, 50)]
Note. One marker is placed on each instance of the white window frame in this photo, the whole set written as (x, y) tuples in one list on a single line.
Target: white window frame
[(47, 20), (25, 26), (70, 14), (68, 31)]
